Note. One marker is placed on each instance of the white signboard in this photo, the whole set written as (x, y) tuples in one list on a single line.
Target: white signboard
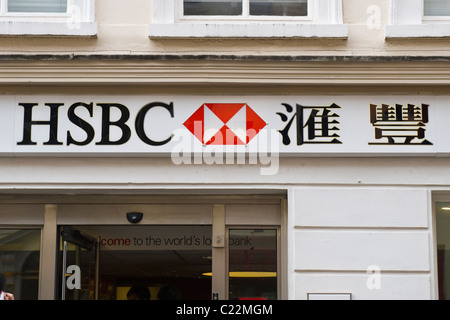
[(184, 126)]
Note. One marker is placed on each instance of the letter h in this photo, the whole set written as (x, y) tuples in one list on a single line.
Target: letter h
[(28, 122)]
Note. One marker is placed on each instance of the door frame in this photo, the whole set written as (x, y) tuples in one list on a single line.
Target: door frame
[(87, 242), (218, 211), (279, 254)]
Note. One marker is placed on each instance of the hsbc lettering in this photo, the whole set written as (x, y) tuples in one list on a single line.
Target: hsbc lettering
[(106, 123)]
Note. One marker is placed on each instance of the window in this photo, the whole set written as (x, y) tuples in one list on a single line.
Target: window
[(47, 17), (19, 262), (436, 12), (247, 19), (436, 8), (245, 8), (419, 19), (443, 248), (37, 6), (253, 264)]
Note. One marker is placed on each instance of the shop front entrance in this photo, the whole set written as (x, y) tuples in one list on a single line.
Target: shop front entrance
[(172, 262), (225, 251)]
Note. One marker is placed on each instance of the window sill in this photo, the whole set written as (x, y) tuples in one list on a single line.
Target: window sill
[(247, 30), (39, 28), (417, 31)]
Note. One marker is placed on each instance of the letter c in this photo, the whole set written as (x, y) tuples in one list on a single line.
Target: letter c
[(140, 118)]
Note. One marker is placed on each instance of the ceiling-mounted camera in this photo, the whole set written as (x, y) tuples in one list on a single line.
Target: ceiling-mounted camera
[(134, 217)]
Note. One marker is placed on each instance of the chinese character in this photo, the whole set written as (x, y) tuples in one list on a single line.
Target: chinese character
[(314, 124), (402, 124)]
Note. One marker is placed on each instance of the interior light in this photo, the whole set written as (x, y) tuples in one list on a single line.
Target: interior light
[(247, 274), (445, 208)]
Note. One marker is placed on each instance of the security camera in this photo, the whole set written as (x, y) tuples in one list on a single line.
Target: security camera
[(134, 217)]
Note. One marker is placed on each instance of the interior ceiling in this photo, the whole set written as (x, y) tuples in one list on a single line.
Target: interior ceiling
[(155, 263)]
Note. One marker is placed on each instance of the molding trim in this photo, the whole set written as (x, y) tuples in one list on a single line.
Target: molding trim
[(222, 70), (26, 28), (248, 30)]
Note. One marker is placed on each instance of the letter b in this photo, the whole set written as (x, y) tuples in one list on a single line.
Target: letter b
[(121, 124)]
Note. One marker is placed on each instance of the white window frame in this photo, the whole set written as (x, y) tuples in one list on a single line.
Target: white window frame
[(324, 20), (79, 20), (244, 17), (407, 20)]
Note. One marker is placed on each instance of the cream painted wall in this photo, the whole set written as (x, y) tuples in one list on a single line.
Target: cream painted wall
[(123, 29), (345, 217), (398, 239)]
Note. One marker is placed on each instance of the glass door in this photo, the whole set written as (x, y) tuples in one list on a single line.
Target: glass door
[(79, 265), (164, 262), (253, 264)]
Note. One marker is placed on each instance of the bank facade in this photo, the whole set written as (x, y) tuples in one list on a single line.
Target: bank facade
[(239, 150)]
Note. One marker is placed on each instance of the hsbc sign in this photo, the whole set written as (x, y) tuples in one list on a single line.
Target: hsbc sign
[(183, 126), (211, 123)]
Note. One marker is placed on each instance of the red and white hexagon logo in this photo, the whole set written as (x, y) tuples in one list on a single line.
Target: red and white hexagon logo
[(224, 124)]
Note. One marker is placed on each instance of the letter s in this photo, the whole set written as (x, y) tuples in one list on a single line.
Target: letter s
[(80, 123)]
